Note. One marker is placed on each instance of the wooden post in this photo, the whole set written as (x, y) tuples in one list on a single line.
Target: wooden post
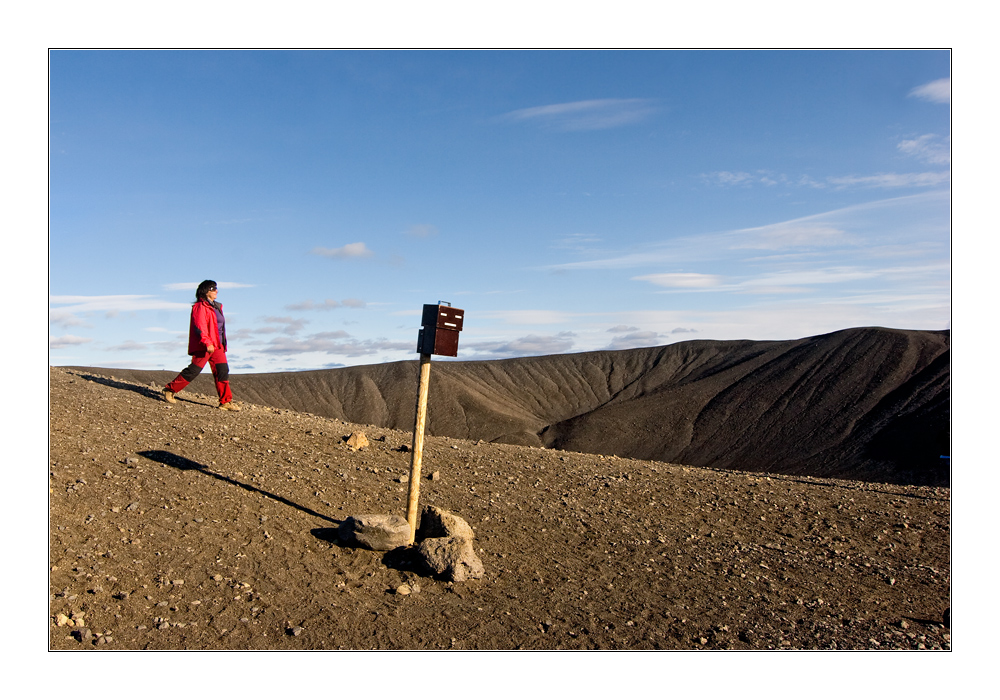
[(418, 445)]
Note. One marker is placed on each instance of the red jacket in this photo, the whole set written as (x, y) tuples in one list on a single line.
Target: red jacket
[(204, 329)]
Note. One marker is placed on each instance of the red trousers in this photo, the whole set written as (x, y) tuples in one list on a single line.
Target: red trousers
[(220, 372)]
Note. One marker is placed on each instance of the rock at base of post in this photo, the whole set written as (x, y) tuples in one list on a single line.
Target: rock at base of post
[(437, 522), (451, 557), (378, 532)]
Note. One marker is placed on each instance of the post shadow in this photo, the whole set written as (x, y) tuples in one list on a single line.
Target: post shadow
[(184, 464)]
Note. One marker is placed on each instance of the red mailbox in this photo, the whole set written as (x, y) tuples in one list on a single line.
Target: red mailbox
[(441, 325)]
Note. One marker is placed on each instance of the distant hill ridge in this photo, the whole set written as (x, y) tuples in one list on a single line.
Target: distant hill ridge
[(863, 403)]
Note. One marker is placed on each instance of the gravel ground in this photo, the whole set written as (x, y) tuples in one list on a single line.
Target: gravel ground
[(185, 527)]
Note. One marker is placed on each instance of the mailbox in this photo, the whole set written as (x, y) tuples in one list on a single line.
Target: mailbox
[(441, 325)]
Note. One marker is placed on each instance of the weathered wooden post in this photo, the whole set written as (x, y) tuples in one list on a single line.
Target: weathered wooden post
[(439, 336)]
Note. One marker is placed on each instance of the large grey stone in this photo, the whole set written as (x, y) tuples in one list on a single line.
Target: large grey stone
[(375, 531), (437, 522), (451, 557)]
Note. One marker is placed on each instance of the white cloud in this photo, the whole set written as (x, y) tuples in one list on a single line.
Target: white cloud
[(61, 317), (351, 250), (66, 341), (113, 303), (524, 346), (641, 339), (193, 286), (284, 324), (531, 317), (935, 91), (683, 280), (355, 303), (875, 226), (762, 177), (888, 180), (622, 329), (127, 346), (309, 305), (330, 335), (586, 115), (799, 233), (929, 148), (325, 343), (809, 277)]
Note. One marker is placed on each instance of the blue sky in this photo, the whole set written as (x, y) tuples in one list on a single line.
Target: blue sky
[(568, 201)]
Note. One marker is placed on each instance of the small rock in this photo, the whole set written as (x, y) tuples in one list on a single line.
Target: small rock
[(435, 476), (403, 589), (63, 621), (357, 440), (83, 635), (296, 631)]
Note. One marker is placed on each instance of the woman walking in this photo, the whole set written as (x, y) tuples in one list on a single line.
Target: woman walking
[(206, 343)]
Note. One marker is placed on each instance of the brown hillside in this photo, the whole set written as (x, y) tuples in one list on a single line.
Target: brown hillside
[(865, 403)]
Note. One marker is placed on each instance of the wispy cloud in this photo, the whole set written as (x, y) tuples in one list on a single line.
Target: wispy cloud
[(891, 180), (527, 345), (935, 91), (66, 341), (685, 280), (127, 346), (327, 343), (351, 250), (309, 305), (799, 233), (113, 303), (639, 339), (586, 115), (422, 231), (61, 317), (530, 317), (758, 177), (282, 324), (929, 148), (193, 286)]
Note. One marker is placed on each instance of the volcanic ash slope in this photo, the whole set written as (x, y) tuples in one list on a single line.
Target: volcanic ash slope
[(864, 403)]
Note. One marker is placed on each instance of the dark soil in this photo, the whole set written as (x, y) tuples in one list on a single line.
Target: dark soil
[(186, 527)]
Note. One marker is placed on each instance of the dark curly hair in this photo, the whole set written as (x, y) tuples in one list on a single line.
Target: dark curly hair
[(204, 288)]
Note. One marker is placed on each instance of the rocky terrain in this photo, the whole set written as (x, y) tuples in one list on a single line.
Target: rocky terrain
[(869, 404), (185, 527)]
